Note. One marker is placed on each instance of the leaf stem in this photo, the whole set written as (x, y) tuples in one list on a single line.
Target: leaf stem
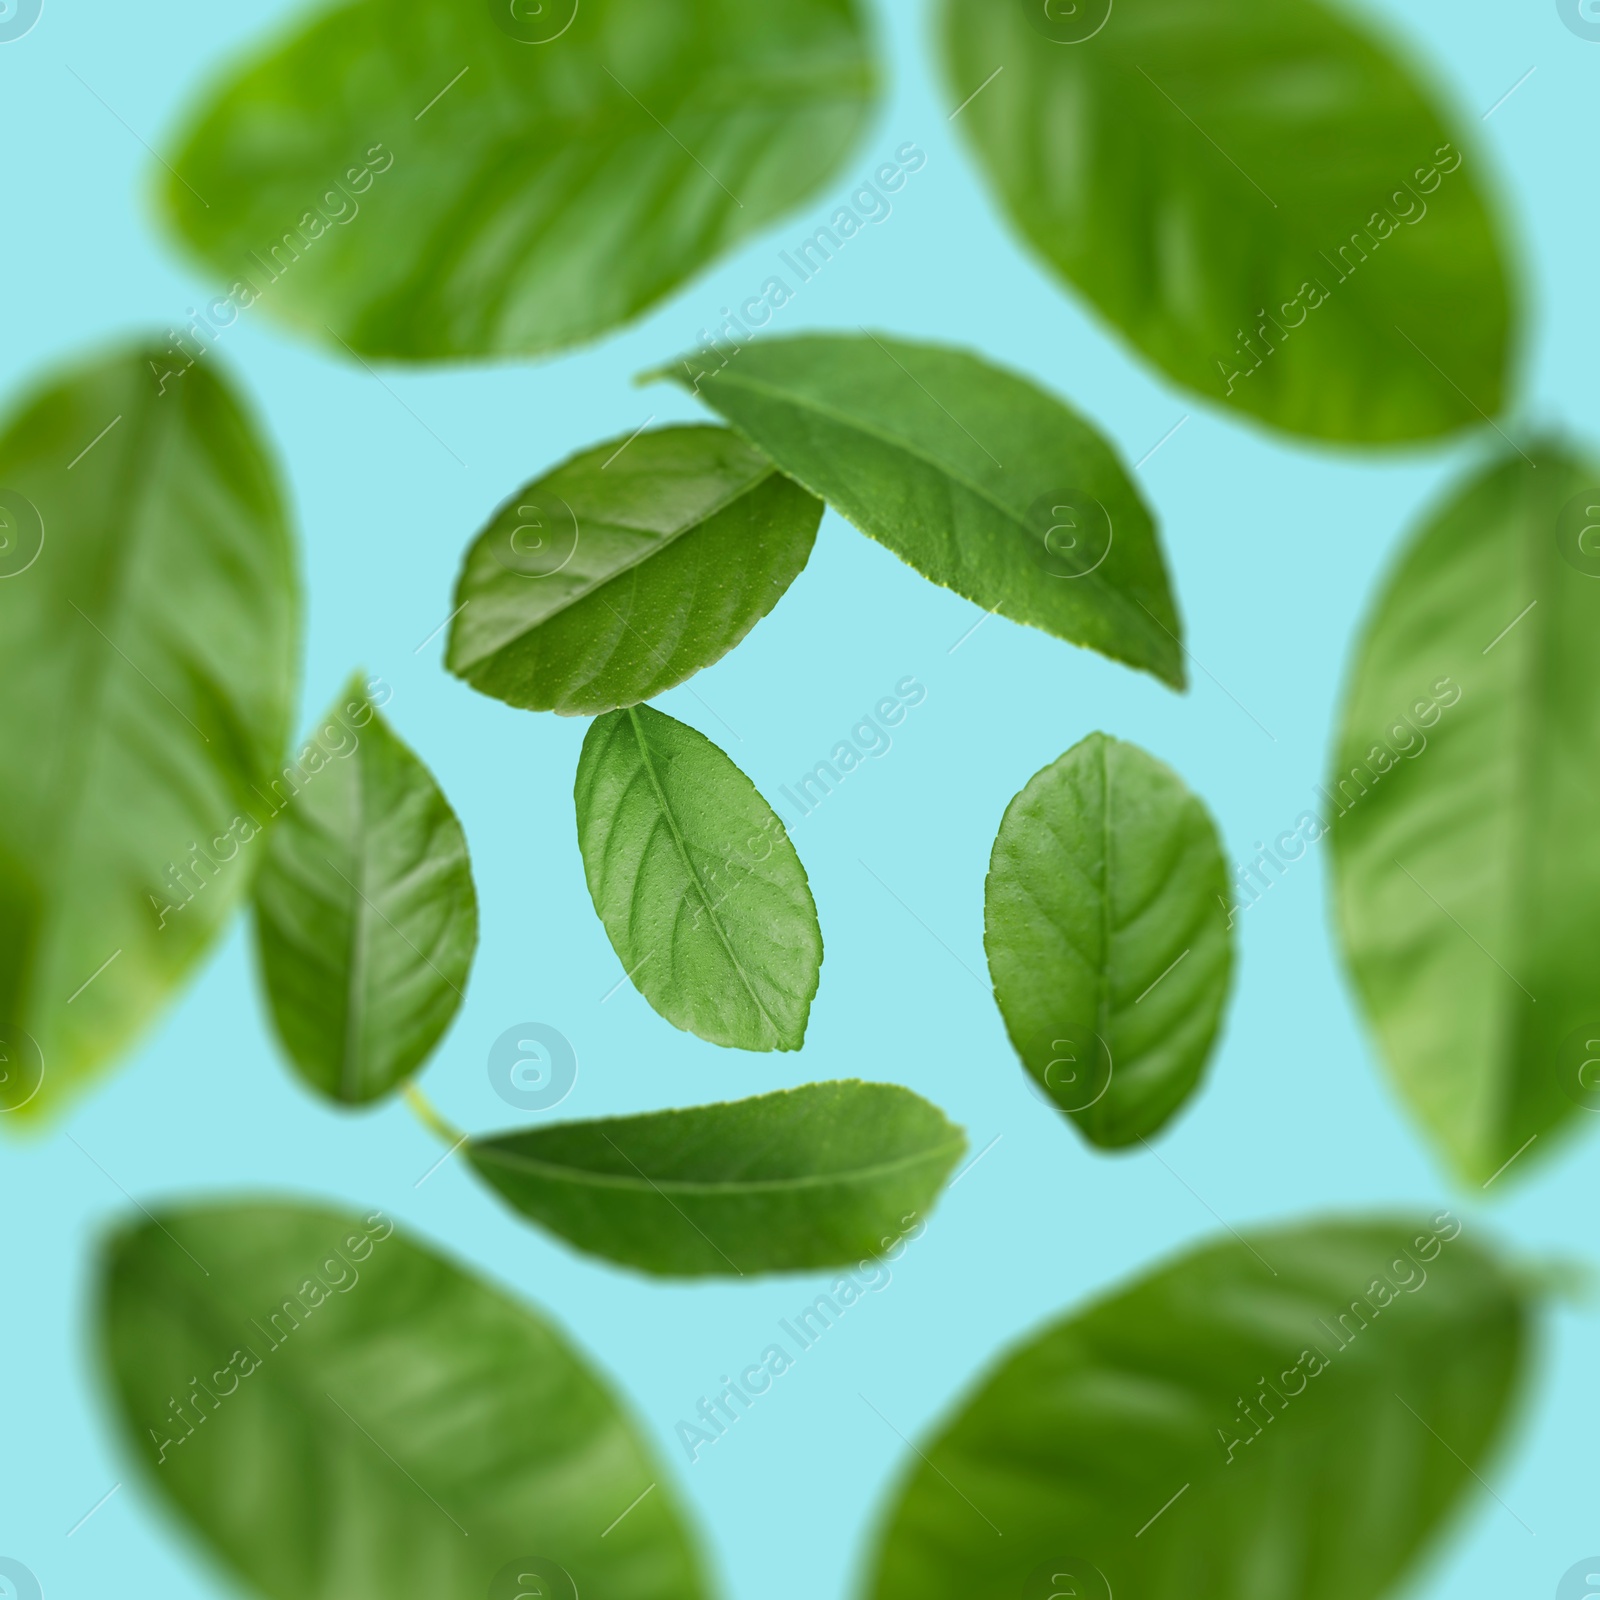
[(430, 1118)]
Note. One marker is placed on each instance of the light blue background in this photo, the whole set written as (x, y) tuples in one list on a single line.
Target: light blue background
[(1276, 551)]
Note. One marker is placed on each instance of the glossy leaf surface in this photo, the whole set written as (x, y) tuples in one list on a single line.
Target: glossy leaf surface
[(820, 1176), (1264, 200), (418, 182), (976, 477), (149, 622), (339, 1413), (701, 892), (1107, 929), (1466, 866), (626, 570), (366, 915), (1295, 1414)]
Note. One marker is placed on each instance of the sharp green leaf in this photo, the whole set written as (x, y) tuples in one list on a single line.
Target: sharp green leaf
[(813, 1177), (1107, 929), (1262, 199), (1293, 1414), (418, 182), (341, 1414), (149, 620), (701, 892), (366, 916), (1466, 868), (977, 478), (626, 570)]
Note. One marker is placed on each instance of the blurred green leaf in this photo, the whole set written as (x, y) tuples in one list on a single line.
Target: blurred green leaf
[(701, 892), (1107, 928), (819, 1176), (1462, 805), (1261, 198), (1297, 1413), (439, 179), (149, 621), (979, 479), (341, 1414), (366, 915), (626, 570)]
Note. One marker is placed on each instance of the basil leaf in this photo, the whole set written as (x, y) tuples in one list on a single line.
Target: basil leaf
[(337, 1411), (626, 570), (366, 916), (1461, 807), (701, 892), (149, 621), (1107, 929), (425, 182), (977, 478), (1296, 1413), (813, 1177), (1262, 199)]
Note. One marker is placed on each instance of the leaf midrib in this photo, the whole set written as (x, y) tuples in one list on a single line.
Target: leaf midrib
[(1103, 1009), (214, 1315), (1126, 83), (732, 1189), (1529, 713), (744, 96), (1100, 586), (694, 877), (359, 946), (83, 752), (608, 126), (751, 97), (1298, 228), (616, 574)]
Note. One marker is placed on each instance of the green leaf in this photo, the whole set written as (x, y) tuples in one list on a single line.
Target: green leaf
[(366, 916), (701, 892), (1466, 867), (1293, 1414), (1261, 198), (977, 478), (819, 1176), (1106, 924), (415, 182), (147, 661), (626, 570), (341, 1414)]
